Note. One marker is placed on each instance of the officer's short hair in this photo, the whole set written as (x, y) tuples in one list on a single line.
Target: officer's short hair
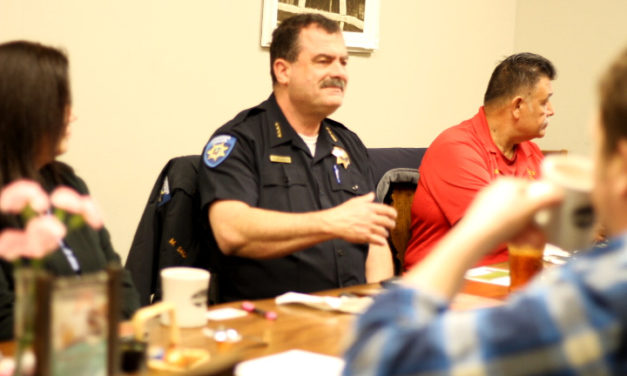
[(284, 43)]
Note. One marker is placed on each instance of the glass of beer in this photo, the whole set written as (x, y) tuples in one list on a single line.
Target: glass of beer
[(525, 261)]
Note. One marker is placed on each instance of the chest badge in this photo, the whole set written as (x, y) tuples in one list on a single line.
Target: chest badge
[(280, 158), (341, 156), (218, 149)]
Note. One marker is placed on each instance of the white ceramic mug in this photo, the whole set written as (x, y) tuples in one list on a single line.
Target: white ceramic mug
[(569, 225), (187, 289)]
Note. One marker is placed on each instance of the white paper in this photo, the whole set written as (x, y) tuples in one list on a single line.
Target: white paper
[(487, 274), (225, 314), (290, 363), (327, 303), (555, 255)]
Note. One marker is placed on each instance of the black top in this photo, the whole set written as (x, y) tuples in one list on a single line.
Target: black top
[(259, 159), (92, 249)]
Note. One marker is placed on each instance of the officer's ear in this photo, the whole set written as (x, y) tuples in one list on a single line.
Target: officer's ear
[(282, 69)]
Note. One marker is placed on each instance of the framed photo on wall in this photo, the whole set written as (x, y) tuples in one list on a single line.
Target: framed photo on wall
[(358, 19)]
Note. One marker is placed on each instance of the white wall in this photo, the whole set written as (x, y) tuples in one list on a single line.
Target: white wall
[(431, 69), (580, 37), (152, 79)]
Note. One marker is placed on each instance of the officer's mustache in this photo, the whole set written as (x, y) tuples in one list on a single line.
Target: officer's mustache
[(333, 82)]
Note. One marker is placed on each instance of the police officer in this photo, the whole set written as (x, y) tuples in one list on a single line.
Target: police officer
[(289, 192)]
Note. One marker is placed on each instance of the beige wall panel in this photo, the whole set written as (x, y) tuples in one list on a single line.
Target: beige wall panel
[(152, 79), (580, 37)]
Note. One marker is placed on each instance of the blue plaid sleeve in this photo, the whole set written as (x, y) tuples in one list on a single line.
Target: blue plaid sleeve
[(570, 320)]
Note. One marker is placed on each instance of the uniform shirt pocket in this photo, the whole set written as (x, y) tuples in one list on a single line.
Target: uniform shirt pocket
[(285, 188), (348, 181)]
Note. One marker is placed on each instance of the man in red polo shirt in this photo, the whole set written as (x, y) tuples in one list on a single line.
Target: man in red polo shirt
[(496, 141)]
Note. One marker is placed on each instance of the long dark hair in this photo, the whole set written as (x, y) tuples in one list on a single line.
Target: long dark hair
[(34, 98)]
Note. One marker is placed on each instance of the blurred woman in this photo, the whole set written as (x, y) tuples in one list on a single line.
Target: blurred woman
[(35, 117)]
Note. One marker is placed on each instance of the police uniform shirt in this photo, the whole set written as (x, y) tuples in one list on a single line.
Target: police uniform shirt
[(259, 159)]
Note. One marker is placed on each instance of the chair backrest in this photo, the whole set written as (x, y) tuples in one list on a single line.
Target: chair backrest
[(397, 188), (384, 159)]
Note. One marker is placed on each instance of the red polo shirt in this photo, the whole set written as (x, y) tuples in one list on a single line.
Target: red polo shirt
[(460, 161)]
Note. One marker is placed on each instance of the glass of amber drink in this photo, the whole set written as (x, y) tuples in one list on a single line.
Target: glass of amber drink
[(525, 261)]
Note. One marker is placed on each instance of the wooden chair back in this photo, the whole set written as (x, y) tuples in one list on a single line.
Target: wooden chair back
[(401, 199)]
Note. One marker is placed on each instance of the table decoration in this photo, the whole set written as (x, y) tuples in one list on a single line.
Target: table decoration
[(41, 222)]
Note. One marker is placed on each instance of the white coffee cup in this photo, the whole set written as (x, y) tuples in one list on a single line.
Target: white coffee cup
[(186, 288), (569, 225)]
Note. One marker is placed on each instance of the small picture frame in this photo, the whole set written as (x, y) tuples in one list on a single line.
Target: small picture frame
[(77, 322), (358, 19)]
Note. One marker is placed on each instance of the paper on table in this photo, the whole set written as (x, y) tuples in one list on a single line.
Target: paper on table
[(555, 255), (225, 313), (292, 362), (327, 303), (487, 274)]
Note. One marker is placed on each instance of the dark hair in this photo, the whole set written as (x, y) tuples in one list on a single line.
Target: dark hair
[(285, 37), (613, 103), (519, 71), (34, 96)]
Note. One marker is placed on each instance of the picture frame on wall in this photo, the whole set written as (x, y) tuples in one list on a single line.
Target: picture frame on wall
[(358, 19)]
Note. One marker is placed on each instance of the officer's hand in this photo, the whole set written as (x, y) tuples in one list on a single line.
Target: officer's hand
[(361, 220)]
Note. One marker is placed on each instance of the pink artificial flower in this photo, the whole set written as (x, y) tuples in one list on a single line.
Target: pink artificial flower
[(17, 195), (44, 235), (91, 213), (12, 243), (67, 199)]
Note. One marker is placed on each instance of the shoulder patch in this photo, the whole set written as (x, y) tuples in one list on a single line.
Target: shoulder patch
[(218, 149)]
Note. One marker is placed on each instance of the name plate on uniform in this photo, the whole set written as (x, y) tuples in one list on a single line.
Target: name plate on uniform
[(280, 158)]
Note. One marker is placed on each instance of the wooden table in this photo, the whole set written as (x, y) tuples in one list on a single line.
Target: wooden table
[(297, 327), (301, 327)]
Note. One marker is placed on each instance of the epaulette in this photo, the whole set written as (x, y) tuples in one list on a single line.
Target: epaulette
[(335, 123), (338, 127), (243, 115)]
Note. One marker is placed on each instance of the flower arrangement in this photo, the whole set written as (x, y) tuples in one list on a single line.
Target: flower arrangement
[(46, 220)]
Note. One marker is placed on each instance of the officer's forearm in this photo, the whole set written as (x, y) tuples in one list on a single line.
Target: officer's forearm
[(379, 265), (245, 231)]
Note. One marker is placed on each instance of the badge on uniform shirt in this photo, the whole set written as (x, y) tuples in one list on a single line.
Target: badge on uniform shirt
[(280, 158), (218, 149), (342, 156)]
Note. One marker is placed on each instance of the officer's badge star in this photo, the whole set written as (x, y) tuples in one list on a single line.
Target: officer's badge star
[(341, 156), (218, 149)]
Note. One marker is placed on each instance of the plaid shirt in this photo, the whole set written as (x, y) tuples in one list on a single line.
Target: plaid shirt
[(570, 321)]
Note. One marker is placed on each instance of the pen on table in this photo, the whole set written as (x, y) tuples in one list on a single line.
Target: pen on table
[(250, 307)]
